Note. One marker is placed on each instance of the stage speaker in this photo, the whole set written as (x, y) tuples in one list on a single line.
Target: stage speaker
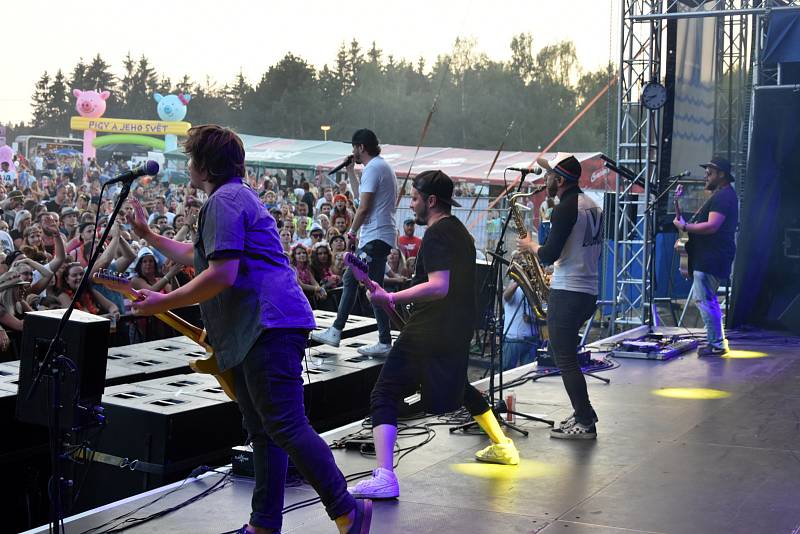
[(483, 269), (81, 379)]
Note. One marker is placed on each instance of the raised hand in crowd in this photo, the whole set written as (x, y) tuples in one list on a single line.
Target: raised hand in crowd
[(139, 222)]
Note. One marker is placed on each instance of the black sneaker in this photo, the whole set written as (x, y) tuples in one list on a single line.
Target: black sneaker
[(711, 350), (574, 431)]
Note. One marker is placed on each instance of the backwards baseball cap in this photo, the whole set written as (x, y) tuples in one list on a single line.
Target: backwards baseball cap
[(436, 183), (563, 164), (12, 256), (721, 164), (364, 137)]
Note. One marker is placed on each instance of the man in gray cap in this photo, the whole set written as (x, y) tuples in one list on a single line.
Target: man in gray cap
[(711, 248), (373, 228)]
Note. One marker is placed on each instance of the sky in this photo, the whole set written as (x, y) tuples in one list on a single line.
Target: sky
[(217, 39)]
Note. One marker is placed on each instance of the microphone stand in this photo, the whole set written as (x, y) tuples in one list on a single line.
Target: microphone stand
[(495, 292), (51, 366)]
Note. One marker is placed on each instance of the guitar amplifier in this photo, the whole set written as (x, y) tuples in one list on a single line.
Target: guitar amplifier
[(85, 343)]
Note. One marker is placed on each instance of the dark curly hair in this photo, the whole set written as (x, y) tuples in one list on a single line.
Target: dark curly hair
[(215, 150)]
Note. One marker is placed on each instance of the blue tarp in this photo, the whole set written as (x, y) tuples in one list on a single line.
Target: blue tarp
[(783, 37)]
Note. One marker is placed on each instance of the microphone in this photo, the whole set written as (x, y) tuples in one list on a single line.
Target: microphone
[(681, 175), (348, 160), (535, 170), (149, 168)]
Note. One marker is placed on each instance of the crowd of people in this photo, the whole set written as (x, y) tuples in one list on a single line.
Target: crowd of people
[(49, 210)]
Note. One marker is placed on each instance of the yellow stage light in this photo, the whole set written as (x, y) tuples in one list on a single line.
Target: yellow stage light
[(744, 354), (691, 393), (525, 469)]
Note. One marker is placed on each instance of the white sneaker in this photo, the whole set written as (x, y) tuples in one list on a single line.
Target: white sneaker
[(330, 336), (382, 485), (499, 453), (378, 349)]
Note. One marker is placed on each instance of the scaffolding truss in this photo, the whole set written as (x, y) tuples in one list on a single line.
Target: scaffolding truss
[(741, 27)]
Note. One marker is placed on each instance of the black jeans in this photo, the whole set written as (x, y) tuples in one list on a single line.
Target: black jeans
[(566, 312), (400, 377), (269, 388), (377, 251)]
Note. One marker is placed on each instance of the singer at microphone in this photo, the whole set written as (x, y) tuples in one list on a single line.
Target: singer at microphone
[(347, 161)]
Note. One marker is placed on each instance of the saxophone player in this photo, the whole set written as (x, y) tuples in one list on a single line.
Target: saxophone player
[(574, 247)]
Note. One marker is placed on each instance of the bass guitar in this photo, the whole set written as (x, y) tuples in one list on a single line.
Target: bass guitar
[(207, 365), (360, 271), (682, 244)]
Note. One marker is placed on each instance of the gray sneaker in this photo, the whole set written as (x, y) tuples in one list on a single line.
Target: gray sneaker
[(378, 349), (330, 336), (569, 421)]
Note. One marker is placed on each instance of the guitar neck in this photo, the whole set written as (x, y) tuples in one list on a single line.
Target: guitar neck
[(189, 330), (198, 335)]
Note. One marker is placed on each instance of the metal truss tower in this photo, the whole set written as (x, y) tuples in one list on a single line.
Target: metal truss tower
[(737, 72)]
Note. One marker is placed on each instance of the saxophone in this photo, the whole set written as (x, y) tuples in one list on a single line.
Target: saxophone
[(528, 272)]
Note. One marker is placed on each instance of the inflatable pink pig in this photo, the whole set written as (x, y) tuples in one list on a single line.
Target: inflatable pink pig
[(90, 104)]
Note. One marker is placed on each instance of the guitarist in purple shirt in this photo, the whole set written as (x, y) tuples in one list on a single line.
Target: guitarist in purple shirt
[(258, 322), (711, 248)]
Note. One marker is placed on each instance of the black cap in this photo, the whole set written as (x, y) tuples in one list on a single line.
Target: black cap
[(364, 137), (564, 164), (11, 256), (408, 221), (436, 183), (720, 164)]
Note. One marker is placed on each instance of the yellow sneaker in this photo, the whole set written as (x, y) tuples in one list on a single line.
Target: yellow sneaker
[(499, 453)]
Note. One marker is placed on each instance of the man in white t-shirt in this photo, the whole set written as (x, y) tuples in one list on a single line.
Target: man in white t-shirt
[(373, 229), (8, 173)]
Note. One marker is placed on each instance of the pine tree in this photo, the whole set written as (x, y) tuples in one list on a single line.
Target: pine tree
[(238, 93), (58, 105), (41, 113), (354, 61), (77, 79), (341, 73), (374, 54), (99, 76)]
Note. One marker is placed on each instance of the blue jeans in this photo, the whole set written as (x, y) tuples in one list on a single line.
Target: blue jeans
[(566, 312), (376, 253), (544, 231), (518, 352), (269, 389), (704, 294)]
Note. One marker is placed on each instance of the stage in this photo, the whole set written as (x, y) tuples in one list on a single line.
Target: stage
[(720, 454)]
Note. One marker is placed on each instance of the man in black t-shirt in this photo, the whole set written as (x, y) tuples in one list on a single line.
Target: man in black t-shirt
[(433, 348), (711, 248)]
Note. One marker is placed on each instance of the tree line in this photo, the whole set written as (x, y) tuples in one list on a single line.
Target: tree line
[(476, 98)]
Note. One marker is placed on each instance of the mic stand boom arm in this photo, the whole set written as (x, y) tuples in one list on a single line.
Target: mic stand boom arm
[(123, 195)]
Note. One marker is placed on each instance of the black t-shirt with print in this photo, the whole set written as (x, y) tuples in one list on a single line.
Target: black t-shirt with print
[(445, 323), (714, 253)]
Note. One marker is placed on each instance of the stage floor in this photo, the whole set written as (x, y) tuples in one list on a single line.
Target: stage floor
[(722, 457)]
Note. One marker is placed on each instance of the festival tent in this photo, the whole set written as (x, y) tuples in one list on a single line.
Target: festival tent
[(461, 164)]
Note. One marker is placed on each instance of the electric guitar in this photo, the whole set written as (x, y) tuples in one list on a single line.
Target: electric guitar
[(360, 271), (683, 243), (207, 365)]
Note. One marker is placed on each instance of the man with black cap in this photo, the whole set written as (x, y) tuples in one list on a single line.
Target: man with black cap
[(373, 228), (711, 248), (573, 246), (433, 348)]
